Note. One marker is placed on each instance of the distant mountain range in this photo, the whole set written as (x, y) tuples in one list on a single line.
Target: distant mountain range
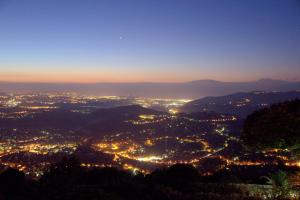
[(193, 90), (240, 104)]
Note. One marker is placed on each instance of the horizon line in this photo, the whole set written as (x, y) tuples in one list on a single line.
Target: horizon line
[(143, 82)]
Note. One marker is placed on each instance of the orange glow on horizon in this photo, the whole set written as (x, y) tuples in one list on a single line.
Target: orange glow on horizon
[(86, 77), (110, 75), (105, 77)]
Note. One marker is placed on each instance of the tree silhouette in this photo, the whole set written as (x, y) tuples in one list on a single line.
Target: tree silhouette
[(274, 127)]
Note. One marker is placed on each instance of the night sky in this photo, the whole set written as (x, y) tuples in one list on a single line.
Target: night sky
[(149, 40)]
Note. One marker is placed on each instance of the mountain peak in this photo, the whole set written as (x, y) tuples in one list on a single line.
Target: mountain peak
[(269, 80)]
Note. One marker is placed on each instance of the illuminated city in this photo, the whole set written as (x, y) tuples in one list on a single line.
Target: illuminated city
[(149, 133)]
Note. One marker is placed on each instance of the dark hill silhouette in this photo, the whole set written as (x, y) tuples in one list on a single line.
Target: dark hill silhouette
[(47, 119), (114, 119), (131, 111), (241, 104), (206, 115), (275, 127), (101, 119)]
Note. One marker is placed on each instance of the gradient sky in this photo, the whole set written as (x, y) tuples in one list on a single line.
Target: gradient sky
[(149, 40)]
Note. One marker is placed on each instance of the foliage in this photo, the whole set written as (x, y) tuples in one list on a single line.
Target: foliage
[(281, 187), (275, 127)]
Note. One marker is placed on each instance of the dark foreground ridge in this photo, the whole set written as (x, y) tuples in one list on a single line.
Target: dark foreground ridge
[(68, 180)]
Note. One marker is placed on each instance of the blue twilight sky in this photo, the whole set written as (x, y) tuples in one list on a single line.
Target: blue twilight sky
[(149, 40)]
